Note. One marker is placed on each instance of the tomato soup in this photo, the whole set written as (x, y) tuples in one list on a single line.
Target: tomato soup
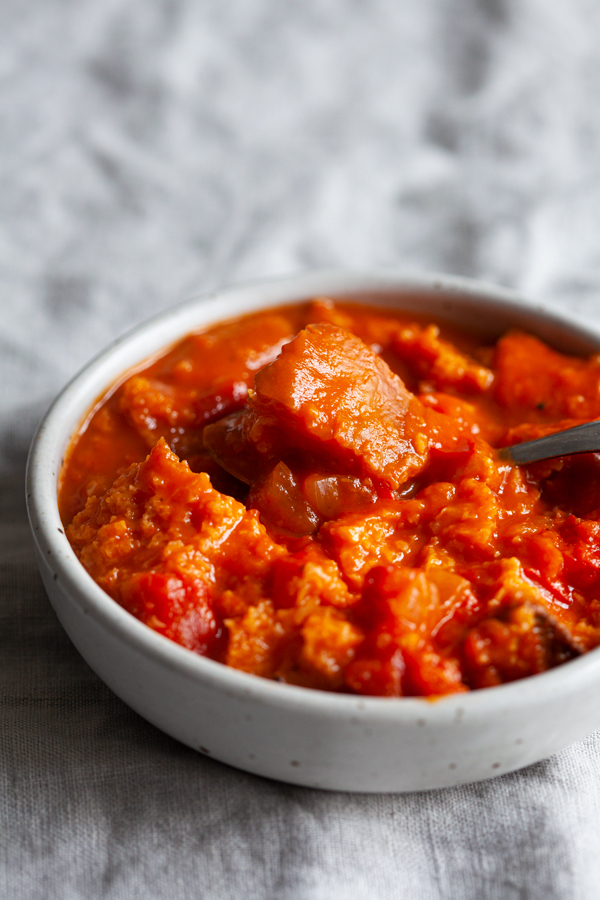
[(314, 494)]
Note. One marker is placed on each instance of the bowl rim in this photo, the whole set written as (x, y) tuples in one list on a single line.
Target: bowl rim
[(52, 437)]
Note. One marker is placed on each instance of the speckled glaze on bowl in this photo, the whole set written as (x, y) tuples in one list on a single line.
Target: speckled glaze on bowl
[(307, 737)]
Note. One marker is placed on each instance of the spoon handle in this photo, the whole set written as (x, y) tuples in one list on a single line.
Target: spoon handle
[(581, 439)]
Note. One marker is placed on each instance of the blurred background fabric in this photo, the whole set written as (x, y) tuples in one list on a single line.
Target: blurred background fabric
[(153, 149)]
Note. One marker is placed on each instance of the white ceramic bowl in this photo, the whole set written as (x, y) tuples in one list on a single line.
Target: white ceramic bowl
[(308, 737)]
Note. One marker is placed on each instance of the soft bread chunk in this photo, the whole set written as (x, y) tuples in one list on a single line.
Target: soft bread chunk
[(439, 361), (165, 544), (530, 375), (329, 390)]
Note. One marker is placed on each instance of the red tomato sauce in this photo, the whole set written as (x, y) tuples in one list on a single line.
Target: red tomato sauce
[(313, 494)]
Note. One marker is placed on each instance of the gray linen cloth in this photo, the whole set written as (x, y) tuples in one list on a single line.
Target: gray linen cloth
[(150, 149)]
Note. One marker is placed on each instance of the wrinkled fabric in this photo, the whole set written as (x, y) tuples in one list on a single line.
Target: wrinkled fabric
[(153, 149)]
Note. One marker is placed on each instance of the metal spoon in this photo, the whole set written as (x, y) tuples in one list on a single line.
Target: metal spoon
[(581, 439)]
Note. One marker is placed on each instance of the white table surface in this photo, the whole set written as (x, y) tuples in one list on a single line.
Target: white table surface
[(152, 149)]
